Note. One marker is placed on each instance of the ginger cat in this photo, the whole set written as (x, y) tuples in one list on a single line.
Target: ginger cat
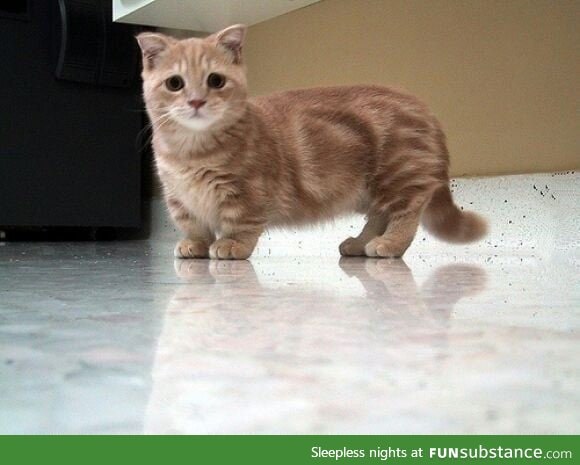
[(232, 166)]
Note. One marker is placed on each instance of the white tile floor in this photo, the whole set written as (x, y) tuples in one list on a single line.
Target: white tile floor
[(119, 338)]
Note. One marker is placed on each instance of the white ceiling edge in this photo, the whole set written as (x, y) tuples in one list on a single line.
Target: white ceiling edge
[(202, 15), (122, 8)]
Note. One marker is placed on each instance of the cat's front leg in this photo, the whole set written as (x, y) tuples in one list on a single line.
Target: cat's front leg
[(191, 248), (199, 237), (237, 242)]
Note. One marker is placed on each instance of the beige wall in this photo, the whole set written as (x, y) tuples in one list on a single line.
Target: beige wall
[(501, 75)]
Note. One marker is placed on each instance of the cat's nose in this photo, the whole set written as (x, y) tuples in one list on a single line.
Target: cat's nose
[(197, 104)]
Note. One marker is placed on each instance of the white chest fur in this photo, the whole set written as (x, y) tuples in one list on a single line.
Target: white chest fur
[(200, 189)]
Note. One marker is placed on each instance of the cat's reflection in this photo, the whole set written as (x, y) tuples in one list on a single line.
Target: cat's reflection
[(242, 353), (392, 283)]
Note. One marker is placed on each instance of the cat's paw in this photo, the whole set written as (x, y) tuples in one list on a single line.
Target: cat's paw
[(382, 247), (188, 248), (229, 249), (352, 247)]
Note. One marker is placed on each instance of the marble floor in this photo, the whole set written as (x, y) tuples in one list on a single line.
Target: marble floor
[(118, 337)]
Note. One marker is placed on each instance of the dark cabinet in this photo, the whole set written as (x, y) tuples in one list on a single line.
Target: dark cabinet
[(69, 120)]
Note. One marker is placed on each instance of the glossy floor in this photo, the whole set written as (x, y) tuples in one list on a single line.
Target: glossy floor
[(119, 338)]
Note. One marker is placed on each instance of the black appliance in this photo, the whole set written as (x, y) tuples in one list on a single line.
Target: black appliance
[(70, 116)]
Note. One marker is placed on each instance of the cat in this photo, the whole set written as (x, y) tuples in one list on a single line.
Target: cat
[(231, 166)]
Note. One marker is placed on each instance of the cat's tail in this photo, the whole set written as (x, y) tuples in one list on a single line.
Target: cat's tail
[(446, 221)]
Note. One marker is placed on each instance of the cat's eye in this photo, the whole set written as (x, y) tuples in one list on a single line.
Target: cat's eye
[(174, 83), (216, 81)]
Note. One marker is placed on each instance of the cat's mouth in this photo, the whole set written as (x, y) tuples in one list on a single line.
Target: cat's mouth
[(194, 118), (199, 116)]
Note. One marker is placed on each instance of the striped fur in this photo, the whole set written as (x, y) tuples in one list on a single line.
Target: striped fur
[(240, 165)]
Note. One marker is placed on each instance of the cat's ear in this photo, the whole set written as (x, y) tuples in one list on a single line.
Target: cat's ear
[(152, 45), (232, 39)]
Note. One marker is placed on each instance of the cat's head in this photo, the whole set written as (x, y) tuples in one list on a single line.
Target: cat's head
[(198, 83)]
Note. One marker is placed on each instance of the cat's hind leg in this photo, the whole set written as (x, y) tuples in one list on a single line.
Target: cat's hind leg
[(404, 217), (355, 246)]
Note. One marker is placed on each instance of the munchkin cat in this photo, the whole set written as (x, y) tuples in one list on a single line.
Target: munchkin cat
[(232, 166)]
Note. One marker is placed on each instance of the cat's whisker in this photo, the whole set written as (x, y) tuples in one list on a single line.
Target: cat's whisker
[(150, 126)]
